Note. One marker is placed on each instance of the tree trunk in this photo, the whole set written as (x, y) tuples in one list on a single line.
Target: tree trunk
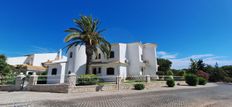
[(89, 54)]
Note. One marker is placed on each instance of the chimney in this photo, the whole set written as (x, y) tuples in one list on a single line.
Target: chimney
[(59, 55)]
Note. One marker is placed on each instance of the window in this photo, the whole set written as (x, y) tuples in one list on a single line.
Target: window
[(112, 54), (142, 71), (141, 57), (54, 71), (99, 56), (94, 71), (99, 70), (69, 72), (30, 73), (110, 71), (70, 55)]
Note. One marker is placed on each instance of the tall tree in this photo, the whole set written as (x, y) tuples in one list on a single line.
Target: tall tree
[(87, 33), (5, 69), (197, 65), (164, 66), (193, 66), (200, 64)]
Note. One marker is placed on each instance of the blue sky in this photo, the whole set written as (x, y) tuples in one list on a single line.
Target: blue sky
[(182, 29)]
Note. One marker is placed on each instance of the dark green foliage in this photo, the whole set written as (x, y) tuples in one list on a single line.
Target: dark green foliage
[(170, 73), (139, 86), (227, 69), (42, 79), (20, 69), (170, 83), (191, 79), (228, 80), (88, 79), (202, 81), (196, 65), (213, 73), (217, 74), (164, 66), (6, 73)]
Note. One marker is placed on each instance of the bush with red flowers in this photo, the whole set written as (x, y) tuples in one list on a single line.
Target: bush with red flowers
[(203, 74)]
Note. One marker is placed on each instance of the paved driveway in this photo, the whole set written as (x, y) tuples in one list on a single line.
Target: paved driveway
[(219, 96)]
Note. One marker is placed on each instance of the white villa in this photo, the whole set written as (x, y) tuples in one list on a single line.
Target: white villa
[(126, 60), (34, 62)]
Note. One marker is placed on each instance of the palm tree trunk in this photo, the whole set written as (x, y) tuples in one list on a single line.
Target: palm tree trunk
[(89, 54)]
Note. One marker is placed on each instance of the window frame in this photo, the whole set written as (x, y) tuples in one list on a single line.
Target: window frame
[(112, 54), (110, 71), (54, 70), (70, 54)]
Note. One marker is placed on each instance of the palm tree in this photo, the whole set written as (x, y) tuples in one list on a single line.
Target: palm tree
[(87, 33)]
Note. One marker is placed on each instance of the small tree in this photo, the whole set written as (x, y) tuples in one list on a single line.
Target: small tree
[(20, 69), (170, 73), (196, 65), (164, 66), (5, 69)]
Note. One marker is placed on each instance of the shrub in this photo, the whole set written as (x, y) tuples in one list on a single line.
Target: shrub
[(191, 80), (170, 83), (170, 73), (203, 74), (202, 81), (87, 79), (139, 86), (181, 73), (42, 80), (227, 79)]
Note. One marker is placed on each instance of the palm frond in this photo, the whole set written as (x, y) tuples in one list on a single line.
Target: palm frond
[(75, 43), (72, 36), (71, 30)]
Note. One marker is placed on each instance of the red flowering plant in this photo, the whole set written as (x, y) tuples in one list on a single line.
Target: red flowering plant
[(203, 74)]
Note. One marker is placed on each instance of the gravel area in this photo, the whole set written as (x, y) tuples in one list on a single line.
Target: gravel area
[(211, 95)]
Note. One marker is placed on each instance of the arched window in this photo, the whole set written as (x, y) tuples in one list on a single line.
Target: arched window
[(69, 72), (110, 71), (54, 71), (99, 56), (112, 54), (70, 55)]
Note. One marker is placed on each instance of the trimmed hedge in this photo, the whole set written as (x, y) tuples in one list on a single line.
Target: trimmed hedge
[(191, 79), (170, 83), (202, 81), (139, 86), (87, 79)]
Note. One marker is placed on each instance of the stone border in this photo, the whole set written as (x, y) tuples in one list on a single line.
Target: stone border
[(70, 85)]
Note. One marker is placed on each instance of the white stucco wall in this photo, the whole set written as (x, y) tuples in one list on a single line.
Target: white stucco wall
[(122, 52), (40, 58), (60, 76), (123, 71), (134, 59), (34, 59), (149, 54), (77, 63), (16, 60)]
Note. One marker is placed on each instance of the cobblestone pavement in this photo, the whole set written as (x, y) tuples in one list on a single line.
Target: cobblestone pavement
[(219, 96)]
